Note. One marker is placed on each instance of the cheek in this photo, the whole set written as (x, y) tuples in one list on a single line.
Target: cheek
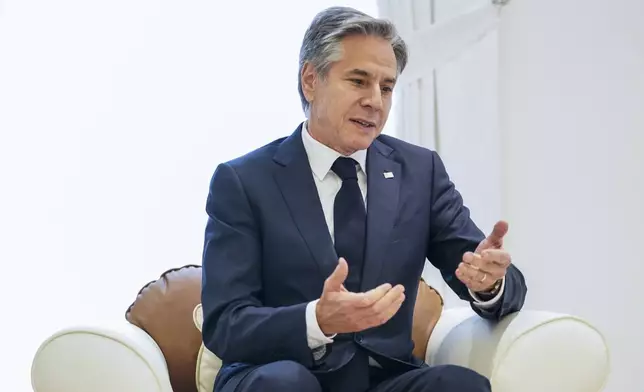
[(333, 104), (386, 107)]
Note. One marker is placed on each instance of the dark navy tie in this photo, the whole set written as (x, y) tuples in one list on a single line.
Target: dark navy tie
[(350, 221)]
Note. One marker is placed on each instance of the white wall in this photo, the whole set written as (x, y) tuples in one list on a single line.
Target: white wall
[(572, 104), (569, 159), (113, 116)]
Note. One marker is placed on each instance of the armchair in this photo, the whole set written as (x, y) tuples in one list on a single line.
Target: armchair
[(158, 347)]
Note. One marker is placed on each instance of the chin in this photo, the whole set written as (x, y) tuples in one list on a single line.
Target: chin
[(362, 142)]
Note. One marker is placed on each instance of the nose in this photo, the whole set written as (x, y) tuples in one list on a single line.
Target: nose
[(373, 98)]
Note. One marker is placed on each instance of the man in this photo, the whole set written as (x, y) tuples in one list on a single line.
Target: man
[(315, 243)]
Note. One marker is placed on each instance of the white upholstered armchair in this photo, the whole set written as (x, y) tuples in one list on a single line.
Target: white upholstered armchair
[(529, 351)]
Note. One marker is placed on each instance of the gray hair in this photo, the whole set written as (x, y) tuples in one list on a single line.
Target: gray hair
[(322, 41)]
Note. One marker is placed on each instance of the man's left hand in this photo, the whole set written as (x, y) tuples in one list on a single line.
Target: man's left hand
[(480, 270)]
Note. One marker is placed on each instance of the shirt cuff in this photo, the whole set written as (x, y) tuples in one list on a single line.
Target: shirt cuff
[(316, 338), (488, 304)]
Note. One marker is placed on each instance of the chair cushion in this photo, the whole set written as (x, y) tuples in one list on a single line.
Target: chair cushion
[(164, 309), (208, 364)]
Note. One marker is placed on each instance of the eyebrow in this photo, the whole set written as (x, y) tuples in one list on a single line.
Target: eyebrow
[(362, 72)]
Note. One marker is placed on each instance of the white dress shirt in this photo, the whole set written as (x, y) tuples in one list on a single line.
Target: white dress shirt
[(321, 158)]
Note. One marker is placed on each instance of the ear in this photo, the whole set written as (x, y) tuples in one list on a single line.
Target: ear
[(309, 80)]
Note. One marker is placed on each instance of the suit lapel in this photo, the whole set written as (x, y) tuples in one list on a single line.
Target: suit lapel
[(383, 188), (295, 180)]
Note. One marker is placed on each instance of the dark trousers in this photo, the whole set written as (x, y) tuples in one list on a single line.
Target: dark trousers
[(291, 376)]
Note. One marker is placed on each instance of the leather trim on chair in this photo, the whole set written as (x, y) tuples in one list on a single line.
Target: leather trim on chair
[(163, 308)]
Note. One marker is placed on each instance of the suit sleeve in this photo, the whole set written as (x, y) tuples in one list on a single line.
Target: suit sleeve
[(237, 327), (452, 233)]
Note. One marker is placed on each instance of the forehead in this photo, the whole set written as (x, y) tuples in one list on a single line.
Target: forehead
[(372, 54)]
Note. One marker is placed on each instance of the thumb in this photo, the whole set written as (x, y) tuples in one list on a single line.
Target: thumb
[(499, 231), (336, 280)]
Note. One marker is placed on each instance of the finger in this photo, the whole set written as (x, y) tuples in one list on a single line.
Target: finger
[(336, 280), (463, 277), (478, 280), (468, 274), (474, 274), (487, 265), (365, 300), (492, 270), (387, 313), (388, 299), (495, 239), (496, 256), (472, 259), (468, 280), (474, 279)]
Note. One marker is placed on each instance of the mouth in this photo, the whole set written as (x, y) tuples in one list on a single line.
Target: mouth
[(364, 124)]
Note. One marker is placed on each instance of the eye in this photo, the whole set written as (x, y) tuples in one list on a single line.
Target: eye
[(357, 82), (387, 90)]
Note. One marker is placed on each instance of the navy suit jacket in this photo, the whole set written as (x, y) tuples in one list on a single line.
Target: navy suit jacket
[(268, 251)]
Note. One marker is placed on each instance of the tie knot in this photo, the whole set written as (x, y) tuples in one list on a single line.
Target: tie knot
[(345, 168)]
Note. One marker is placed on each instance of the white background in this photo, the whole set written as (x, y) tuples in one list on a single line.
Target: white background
[(113, 116), (564, 160), (572, 104)]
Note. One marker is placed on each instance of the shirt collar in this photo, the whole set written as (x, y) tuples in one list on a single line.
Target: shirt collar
[(321, 157)]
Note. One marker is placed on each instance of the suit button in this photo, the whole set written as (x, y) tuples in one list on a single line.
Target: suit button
[(359, 338)]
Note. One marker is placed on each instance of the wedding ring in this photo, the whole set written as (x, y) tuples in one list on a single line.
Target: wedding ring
[(484, 277)]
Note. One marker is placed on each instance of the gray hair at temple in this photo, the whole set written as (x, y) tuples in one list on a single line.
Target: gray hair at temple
[(322, 41)]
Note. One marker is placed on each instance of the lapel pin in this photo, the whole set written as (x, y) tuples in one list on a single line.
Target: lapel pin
[(388, 174)]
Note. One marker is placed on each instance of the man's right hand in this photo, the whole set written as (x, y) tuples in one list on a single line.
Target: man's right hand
[(341, 311)]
